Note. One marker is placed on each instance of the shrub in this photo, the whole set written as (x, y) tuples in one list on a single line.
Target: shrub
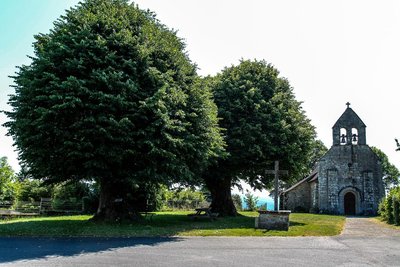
[(183, 199), (251, 201), (71, 190), (8, 185), (314, 210), (396, 209), (33, 190), (263, 207), (389, 208), (382, 209)]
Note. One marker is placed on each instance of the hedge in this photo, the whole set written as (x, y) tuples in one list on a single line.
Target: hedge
[(389, 208)]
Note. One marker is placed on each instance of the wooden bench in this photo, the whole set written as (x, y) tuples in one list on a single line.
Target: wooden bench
[(204, 213)]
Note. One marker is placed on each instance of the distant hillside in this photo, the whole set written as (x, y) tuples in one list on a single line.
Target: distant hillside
[(261, 201)]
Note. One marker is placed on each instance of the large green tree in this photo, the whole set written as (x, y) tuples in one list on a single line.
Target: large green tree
[(110, 96), (391, 174), (318, 150), (264, 122)]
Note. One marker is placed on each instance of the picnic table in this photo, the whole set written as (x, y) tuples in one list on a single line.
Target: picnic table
[(204, 213)]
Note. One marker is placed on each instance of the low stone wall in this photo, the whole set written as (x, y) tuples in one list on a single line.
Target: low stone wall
[(273, 220)]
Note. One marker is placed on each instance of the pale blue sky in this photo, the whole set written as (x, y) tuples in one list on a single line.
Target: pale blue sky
[(331, 51), (20, 20)]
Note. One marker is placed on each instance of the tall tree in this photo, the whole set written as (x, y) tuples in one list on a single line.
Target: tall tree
[(110, 96), (391, 175), (318, 150), (264, 122)]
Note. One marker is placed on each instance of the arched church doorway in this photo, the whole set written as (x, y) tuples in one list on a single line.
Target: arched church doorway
[(349, 204)]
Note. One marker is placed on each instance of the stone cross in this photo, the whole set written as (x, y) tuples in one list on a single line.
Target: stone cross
[(276, 172)]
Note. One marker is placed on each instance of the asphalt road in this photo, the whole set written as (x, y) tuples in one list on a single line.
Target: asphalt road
[(363, 243)]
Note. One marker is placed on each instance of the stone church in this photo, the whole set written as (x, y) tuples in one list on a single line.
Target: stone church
[(346, 180)]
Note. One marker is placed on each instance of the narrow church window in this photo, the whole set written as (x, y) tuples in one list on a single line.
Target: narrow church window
[(351, 170), (343, 136), (354, 136)]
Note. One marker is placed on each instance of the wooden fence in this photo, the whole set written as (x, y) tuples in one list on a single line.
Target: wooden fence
[(46, 206)]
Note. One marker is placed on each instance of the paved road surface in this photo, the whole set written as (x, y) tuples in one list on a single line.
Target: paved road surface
[(362, 243)]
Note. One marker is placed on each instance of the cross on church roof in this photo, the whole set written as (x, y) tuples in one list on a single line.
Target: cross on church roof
[(348, 104)]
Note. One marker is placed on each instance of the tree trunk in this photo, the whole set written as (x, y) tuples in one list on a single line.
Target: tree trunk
[(113, 203), (220, 189)]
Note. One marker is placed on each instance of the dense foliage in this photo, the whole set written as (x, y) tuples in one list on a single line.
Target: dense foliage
[(318, 151), (8, 188), (183, 199), (391, 174), (33, 190), (389, 208), (110, 96), (264, 122)]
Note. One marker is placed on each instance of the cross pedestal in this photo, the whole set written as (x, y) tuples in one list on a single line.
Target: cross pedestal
[(273, 220)]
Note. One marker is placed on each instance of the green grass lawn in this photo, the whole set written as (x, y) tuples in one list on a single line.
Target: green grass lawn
[(170, 224)]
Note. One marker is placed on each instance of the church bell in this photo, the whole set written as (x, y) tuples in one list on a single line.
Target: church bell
[(343, 140)]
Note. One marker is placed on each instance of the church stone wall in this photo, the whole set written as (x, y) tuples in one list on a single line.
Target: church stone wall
[(349, 174), (314, 197), (298, 199), (350, 168)]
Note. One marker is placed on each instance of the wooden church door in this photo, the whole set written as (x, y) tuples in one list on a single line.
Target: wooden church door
[(349, 204)]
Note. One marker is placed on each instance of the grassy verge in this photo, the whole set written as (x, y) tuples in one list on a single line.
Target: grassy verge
[(379, 220), (170, 224)]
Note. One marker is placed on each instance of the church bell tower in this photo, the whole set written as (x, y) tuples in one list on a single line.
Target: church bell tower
[(347, 179), (349, 129)]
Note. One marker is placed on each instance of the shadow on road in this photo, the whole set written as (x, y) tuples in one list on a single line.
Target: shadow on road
[(17, 249)]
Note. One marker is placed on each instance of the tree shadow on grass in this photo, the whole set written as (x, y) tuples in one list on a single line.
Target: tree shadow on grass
[(160, 225), (31, 248), (293, 223), (187, 223)]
